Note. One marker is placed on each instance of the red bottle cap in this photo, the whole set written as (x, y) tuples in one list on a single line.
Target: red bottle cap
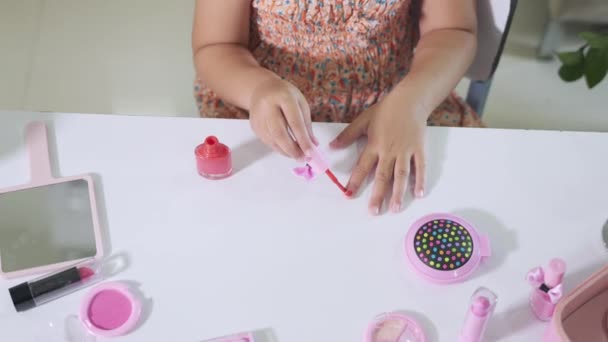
[(213, 159)]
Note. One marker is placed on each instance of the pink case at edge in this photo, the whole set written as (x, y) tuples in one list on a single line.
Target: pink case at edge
[(40, 167), (421, 255), (591, 290)]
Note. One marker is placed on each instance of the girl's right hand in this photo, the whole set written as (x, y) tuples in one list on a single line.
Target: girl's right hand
[(280, 116)]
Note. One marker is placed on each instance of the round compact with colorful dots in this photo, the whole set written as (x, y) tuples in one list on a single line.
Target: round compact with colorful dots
[(445, 248)]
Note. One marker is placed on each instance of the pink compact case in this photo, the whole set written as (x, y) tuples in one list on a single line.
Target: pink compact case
[(110, 310), (444, 248), (394, 327)]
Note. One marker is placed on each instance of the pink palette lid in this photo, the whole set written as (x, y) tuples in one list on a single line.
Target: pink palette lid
[(395, 327), (110, 310), (444, 248)]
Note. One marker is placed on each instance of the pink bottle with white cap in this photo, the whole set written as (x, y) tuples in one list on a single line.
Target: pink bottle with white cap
[(479, 312), (548, 288)]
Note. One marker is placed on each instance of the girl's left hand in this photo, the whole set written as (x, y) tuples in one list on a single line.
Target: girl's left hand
[(395, 137)]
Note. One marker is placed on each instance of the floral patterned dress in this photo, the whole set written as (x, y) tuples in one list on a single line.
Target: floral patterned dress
[(344, 55)]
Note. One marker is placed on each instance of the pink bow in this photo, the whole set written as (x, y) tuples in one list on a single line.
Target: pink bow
[(555, 294), (304, 172), (536, 277)]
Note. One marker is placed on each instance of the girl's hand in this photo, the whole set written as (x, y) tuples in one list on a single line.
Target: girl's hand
[(280, 116), (395, 137)]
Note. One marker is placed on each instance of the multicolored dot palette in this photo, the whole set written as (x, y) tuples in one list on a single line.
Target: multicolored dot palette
[(444, 248)]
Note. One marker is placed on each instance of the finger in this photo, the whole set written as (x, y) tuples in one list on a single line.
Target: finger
[(305, 108), (420, 165), (364, 166), (351, 133), (265, 138), (297, 125), (276, 127), (382, 181), (402, 175)]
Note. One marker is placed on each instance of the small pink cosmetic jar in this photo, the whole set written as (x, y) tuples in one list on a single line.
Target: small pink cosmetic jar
[(110, 310), (394, 327)]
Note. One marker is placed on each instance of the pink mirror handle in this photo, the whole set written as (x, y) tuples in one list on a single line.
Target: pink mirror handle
[(38, 149)]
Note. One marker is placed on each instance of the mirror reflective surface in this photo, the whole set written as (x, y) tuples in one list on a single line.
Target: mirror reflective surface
[(46, 225)]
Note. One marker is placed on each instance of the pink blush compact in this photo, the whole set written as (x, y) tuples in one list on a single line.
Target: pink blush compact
[(110, 310), (395, 327)]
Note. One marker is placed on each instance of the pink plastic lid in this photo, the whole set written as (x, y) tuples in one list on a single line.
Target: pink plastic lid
[(395, 327), (110, 310), (445, 248), (244, 337)]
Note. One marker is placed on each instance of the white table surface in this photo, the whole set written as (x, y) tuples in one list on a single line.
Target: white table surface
[(263, 249)]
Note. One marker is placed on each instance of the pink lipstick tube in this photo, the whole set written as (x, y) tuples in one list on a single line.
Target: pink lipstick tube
[(479, 312)]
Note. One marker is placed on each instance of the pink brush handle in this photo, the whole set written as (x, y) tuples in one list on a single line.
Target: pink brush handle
[(38, 149), (317, 161), (555, 272)]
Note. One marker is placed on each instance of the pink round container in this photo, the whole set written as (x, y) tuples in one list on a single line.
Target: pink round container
[(110, 310), (444, 248), (394, 327)]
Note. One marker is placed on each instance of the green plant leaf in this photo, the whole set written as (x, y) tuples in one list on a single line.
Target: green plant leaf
[(571, 73), (572, 57), (596, 66), (595, 40)]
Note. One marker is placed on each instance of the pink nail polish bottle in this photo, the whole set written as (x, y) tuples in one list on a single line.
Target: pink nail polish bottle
[(541, 302), (213, 159)]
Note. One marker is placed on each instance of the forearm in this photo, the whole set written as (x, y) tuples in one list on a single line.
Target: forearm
[(231, 71), (441, 59)]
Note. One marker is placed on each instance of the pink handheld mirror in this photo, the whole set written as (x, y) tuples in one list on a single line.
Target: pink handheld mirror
[(49, 222), (444, 248)]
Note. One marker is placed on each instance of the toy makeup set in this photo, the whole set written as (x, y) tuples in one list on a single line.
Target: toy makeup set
[(445, 249), (63, 239), (442, 249), (398, 327), (108, 310), (439, 248)]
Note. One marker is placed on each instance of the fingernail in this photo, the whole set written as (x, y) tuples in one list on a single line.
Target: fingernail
[(375, 211), (420, 193), (396, 207), (348, 193)]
